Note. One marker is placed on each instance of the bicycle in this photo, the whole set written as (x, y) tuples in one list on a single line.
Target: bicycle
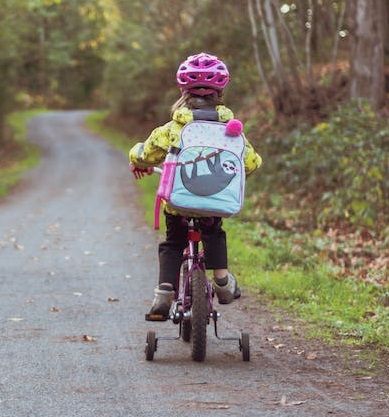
[(192, 309)]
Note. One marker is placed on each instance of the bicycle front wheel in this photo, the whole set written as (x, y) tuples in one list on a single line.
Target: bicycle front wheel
[(199, 317)]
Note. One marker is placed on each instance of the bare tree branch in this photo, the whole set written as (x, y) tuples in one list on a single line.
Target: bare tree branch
[(254, 32), (264, 31), (336, 42), (272, 32), (308, 41), (292, 43), (291, 49)]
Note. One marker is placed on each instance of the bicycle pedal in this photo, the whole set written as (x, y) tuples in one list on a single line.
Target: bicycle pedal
[(155, 317)]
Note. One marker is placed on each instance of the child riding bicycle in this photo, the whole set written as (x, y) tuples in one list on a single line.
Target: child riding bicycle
[(202, 79)]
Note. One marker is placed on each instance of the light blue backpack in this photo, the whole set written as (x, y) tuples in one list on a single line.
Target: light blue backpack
[(206, 175)]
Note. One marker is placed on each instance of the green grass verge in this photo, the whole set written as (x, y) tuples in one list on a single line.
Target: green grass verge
[(27, 155), (287, 274)]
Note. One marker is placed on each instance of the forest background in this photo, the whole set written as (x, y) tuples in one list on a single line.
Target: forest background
[(310, 81)]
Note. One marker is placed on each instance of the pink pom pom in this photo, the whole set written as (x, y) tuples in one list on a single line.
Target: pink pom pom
[(234, 127)]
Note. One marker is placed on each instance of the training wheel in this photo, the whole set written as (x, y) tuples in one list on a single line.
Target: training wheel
[(186, 331), (151, 345), (244, 346)]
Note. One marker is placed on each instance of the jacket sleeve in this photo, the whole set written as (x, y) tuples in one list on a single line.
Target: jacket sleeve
[(153, 150), (252, 160)]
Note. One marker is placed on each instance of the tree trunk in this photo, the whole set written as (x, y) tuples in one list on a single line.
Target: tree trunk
[(367, 54), (308, 42), (386, 27), (258, 61), (271, 31)]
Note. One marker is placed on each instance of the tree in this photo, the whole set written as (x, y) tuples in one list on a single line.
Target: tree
[(10, 39), (367, 55)]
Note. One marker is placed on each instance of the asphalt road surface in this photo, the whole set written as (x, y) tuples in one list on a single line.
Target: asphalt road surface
[(77, 269)]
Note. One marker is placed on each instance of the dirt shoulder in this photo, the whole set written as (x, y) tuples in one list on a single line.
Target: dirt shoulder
[(333, 372)]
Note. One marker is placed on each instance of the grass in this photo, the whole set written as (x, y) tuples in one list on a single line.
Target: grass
[(27, 155), (287, 271)]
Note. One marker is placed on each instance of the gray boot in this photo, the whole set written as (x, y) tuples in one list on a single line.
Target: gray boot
[(163, 298), (226, 289)]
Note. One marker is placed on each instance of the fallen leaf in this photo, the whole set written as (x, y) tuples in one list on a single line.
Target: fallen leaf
[(208, 405), (18, 247), (128, 276), (296, 402), (87, 252), (15, 319), (284, 403), (102, 263), (270, 339), (78, 294), (51, 273), (279, 346), (112, 299), (365, 378), (197, 383), (87, 338), (311, 356), (365, 235), (54, 310)]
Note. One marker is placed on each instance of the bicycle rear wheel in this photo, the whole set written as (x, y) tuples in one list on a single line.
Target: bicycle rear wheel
[(186, 325), (199, 317)]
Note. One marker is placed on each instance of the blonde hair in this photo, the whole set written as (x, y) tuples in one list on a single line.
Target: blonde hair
[(193, 101)]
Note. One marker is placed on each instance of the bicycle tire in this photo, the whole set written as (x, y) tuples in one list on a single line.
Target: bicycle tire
[(186, 330), (199, 315)]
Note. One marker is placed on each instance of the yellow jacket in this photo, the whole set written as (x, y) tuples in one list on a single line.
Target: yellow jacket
[(154, 150)]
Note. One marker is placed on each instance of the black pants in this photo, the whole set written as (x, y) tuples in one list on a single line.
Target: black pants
[(170, 251)]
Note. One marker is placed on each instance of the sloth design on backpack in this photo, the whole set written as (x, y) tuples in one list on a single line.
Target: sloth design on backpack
[(219, 177)]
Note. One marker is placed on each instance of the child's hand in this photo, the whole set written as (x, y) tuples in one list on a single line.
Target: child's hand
[(140, 172)]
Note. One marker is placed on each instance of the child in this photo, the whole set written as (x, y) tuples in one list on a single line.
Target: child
[(202, 79)]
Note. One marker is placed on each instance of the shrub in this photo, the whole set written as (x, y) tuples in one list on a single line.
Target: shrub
[(340, 167)]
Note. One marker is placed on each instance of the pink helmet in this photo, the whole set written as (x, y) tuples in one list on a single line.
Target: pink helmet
[(202, 70)]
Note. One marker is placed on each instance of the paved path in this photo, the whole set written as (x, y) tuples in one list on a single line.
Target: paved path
[(71, 237)]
